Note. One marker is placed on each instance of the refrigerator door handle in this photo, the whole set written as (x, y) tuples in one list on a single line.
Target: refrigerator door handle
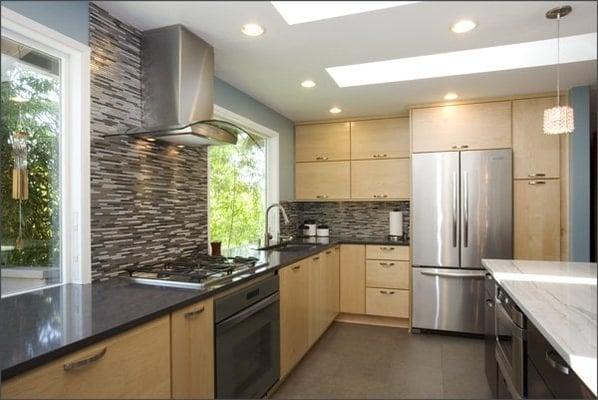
[(465, 208), (455, 200), (480, 275)]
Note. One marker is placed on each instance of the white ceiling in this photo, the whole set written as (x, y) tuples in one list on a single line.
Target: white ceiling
[(271, 67)]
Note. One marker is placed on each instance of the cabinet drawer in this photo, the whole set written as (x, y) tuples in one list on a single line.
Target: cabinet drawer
[(387, 302), (387, 252), (134, 364), (380, 179), (387, 274), (559, 377)]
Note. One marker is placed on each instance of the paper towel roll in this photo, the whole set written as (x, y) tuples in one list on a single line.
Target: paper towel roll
[(396, 223)]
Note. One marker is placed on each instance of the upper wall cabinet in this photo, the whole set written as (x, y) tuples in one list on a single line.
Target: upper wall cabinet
[(461, 127), (323, 142), (379, 139), (323, 181), (380, 179), (534, 153)]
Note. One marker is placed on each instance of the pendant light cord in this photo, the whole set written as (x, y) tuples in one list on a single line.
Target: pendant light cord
[(558, 58)]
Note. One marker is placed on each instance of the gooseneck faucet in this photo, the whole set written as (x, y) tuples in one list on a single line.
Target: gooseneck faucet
[(267, 235)]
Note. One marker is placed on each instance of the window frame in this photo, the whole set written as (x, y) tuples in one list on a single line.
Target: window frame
[(75, 231), (272, 162)]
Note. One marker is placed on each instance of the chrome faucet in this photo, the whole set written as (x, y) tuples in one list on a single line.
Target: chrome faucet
[(267, 235)]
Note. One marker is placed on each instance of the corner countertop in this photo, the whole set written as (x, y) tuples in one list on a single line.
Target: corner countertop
[(43, 325), (559, 298)]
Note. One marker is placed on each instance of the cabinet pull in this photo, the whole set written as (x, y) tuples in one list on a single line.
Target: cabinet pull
[(321, 158), (550, 359), (316, 258), (385, 264), (537, 175), (462, 146), (380, 155), (85, 362), (536, 183), (384, 248), (387, 292), (296, 267), (329, 252), (193, 314), (380, 196), (322, 196), (489, 303)]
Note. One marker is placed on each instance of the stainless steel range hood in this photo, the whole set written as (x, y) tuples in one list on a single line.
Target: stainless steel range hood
[(178, 90)]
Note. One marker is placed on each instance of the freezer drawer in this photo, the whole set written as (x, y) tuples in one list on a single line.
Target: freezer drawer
[(448, 300)]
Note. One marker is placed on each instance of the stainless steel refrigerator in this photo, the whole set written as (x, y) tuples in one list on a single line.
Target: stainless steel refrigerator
[(461, 211)]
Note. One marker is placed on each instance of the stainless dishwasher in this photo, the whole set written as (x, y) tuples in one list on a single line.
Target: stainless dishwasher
[(247, 327)]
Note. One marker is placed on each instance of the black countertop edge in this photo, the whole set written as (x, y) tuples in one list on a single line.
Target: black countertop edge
[(290, 258)]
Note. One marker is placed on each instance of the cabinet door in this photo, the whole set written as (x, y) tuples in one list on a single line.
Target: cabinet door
[(387, 274), (332, 284), (352, 279), (534, 153), (387, 302), (317, 300), (134, 364), (537, 219), (192, 360), (322, 142), (322, 181), (470, 127), (381, 138), (380, 179), (294, 304)]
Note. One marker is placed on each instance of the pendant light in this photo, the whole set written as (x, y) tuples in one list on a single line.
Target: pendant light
[(558, 120)]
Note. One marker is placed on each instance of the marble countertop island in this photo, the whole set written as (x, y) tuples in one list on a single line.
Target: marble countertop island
[(559, 298)]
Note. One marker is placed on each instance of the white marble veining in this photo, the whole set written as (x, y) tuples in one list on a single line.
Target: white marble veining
[(559, 298)]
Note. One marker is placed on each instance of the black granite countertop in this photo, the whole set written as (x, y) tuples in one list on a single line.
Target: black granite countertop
[(42, 325)]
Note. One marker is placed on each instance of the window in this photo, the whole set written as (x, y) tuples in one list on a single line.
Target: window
[(44, 157)]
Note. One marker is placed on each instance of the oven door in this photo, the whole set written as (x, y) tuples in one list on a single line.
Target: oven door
[(248, 351), (510, 346)]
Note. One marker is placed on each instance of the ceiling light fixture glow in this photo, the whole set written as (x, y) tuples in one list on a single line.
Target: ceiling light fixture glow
[(488, 59), (150, 139), (464, 25), (335, 110), (451, 96), (298, 12), (252, 29), (308, 83)]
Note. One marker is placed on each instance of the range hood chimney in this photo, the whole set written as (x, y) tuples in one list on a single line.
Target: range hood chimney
[(178, 90)]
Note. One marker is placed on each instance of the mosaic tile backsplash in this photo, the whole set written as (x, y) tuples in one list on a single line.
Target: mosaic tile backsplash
[(359, 219), (148, 201)]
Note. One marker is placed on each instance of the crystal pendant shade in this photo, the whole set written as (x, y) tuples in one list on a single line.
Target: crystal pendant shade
[(558, 120)]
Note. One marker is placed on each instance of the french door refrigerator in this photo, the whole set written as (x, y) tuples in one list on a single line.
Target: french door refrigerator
[(462, 211)]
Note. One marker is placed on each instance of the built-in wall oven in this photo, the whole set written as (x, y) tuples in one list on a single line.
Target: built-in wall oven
[(511, 346), (247, 327)]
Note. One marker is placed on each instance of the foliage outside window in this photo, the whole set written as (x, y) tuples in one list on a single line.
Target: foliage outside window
[(237, 192), (29, 197)]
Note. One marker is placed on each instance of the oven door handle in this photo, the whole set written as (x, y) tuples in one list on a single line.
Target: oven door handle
[(246, 313)]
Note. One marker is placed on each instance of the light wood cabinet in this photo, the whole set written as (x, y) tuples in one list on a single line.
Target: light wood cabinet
[(332, 262), (387, 274), (387, 252), (322, 142), (379, 139), (322, 181), (387, 302), (192, 332), (535, 155), (134, 364), (352, 279), (317, 313), (380, 179), (294, 307), (461, 127), (537, 219)]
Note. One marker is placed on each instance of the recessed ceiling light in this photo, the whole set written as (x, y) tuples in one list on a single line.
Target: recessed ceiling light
[(298, 12), (488, 59), (335, 110), (464, 25), (252, 29), (150, 139), (308, 83), (451, 96), (180, 146)]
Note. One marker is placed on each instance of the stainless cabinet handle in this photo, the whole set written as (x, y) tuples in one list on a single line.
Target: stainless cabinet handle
[(551, 360), (329, 252), (387, 292), (322, 196), (455, 211), (379, 196), (193, 314), (384, 264), (316, 258), (85, 362), (296, 267), (380, 155), (465, 208), (454, 275), (321, 158), (537, 175), (489, 303), (384, 248), (461, 146), (536, 183)]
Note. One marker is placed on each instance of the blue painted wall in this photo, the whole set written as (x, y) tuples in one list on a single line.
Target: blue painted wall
[(70, 18), (234, 100), (579, 175)]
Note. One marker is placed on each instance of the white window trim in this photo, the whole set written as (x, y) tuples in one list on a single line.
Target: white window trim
[(75, 143), (272, 160)]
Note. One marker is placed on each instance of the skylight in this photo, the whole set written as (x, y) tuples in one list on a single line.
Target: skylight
[(298, 12), (500, 58)]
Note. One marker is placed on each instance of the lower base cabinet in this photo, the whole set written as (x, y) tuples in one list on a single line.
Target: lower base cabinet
[(131, 365), (192, 332), (387, 302)]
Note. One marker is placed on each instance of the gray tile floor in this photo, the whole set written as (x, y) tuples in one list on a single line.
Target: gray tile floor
[(359, 361)]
